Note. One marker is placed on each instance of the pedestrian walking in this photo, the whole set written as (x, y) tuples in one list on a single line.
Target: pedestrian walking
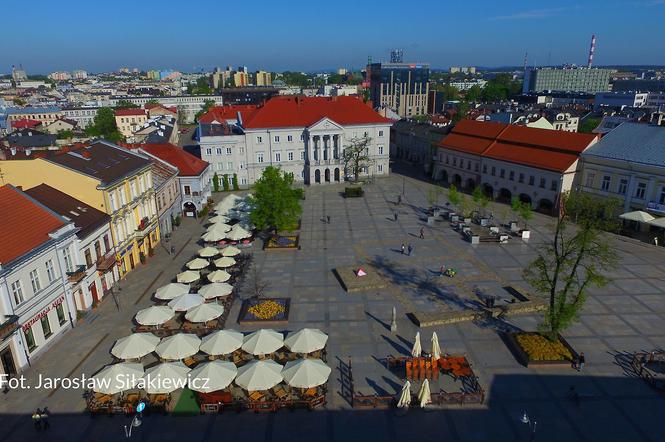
[(442, 270), (422, 233), (328, 218), (44, 418), (37, 419), (399, 200), (395, 215), (410, 249), (403, 248), (581, 361)]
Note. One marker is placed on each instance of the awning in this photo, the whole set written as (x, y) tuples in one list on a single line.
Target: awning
[(637, 215)]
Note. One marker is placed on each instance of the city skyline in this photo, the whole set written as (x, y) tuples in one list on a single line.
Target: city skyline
[(209, 38)]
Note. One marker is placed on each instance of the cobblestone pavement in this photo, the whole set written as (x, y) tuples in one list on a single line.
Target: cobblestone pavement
[(626, 316)]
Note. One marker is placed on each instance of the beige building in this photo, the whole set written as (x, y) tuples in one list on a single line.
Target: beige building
[(240, 79), (263, 78), (129, 120)]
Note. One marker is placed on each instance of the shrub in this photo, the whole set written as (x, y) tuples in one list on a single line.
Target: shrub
[(215, 182), (225, 182), (353, 192), (235, 182)]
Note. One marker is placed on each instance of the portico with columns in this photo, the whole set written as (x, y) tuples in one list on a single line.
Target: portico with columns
[(324, 163)]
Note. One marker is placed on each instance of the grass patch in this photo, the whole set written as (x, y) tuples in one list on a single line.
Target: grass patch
[(187, 405), (353, 192)]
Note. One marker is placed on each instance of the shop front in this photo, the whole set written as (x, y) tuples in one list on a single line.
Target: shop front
[(42, 324)]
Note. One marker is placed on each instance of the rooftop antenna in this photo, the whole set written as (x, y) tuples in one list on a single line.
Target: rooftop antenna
[(526, 58), (592, 49)]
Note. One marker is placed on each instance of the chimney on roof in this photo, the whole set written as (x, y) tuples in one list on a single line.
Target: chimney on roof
[(86, 154), (28, 152), (13, 149)]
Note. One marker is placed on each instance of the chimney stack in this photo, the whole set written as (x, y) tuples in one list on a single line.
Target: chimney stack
[(592, 49)]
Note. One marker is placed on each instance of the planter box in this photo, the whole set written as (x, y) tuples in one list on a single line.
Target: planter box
[(510, 340), (352, 283), (353, 192), (247, 318)]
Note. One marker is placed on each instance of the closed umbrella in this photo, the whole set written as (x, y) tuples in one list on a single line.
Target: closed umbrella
[(263, 342), (204, 312), (219, 219), (208, 252), (237, 233), (222, 342), (405, 396), (166, 377), (231, 251), (184, 302), (259, 375), (135, 346), (417, 348), (436, 349), (212, 376), (424, 394), (218, 276), (115, 378), (170, 291), (155, 315), (197, 264), (182, 345), (306, 340), (188, 276), (225, 261), (215, 290), (306, 373)]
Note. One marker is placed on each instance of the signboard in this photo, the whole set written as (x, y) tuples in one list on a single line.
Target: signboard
[(26, 326)]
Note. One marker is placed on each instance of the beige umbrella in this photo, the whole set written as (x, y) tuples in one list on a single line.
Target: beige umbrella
[(637, 215), (237, 233), (212, 376), (405, 396), (204, 312), (208, 252), (166, 377), (197, 264), (171, 290), (216, 290), (219, 219), (155, 315), (424, 394), (221, 227), (188, 276), (115, 378), (417, 348), (135, 346), (231, 251), (306, 373), (222, 342), (263, 342), (185, 302), (306, 340), (436, 349), (218, 276), (658, 222), (182, 345), (225, 261), (213, 236), (259, 375)]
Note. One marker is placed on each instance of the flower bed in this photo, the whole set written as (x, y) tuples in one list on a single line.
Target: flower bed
[(534, 349), (268, 310), (280, 242)]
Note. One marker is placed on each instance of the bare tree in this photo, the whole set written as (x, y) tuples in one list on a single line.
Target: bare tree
[(257, 285), (356, 155)]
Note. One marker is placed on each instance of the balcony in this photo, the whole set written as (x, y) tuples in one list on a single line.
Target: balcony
[(77, 275), (104, 263), (145, 227), (9, 326)]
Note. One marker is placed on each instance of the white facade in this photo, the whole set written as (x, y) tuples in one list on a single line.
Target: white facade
[(195, 191), (188, 105), (84, 116), (620, 99)]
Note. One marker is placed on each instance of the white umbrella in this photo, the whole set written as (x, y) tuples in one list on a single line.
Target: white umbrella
[(237, 233), (638, 215), (204, 312), (658, 222), (185, 302), (215, 290), (182, 345), (306, 373), (417, 348), (213, 235), (259, 375), (405, 396), (208, 252), (225, 261), (231, 251), (171, 290), (166, 377), (188, 276), (222, 342), (135, 346), (263, 342), (198, 264), (218, 227), (306, 340), (436, 348), (115, 378), (212, 376), (219, 219), (155, 315), (424, 394), (218, 276)]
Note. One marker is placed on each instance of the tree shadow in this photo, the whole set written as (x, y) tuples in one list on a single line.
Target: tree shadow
[(376, 387), (383, 323), (398, 348)]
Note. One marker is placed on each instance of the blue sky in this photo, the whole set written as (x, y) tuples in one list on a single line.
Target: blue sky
[(311, 35)]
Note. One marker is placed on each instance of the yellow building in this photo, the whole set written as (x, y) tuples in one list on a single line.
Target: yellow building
[(107, 177), (130, 120), (263, 78), (240, 79)]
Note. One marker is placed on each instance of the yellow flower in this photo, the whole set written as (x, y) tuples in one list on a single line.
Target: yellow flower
[(266, 309), (539, 348)]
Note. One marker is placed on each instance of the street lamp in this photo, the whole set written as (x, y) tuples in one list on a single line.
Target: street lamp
[(531, 423), (136, 421)]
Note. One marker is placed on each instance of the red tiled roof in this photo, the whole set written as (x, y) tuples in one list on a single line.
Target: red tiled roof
[(149, 106), (24, 224), (541, 148), (129, 112), (224, 113), (25, 123), (188, 164)]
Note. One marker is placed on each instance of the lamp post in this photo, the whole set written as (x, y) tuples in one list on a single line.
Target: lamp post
[(531, 423), (136, 421)]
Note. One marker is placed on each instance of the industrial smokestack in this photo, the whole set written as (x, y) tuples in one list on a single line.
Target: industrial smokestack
[(592, 49)]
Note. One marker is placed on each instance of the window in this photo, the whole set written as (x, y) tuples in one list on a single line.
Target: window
[(554, 186), (520, 178), (502, 174), (276, 138), (289, 138), (661, 200), (278, 157), (259, 139), (88, 258), (241, 165), (50, 271), (68, 260), (259, 157), (112, 201), (46, 326), (485, 168), (461, 163), (34, 280), (379, 167), (17, 292), (542, 183), (229, 165), (208, 151), (241, 150), (447, 160), (60, 311), (380, 150), (219, 151), (590, 179), (243, 181), (623, 186), (188, 190), (477, 167), (229, 151), (380, 133), (641, 190), (605, 185), (454, 161), (219, 166), (30, 339), (132, 188), (289, 155), (511, 175), (302, 155), (123, 195), (493, 171), (532, 180)]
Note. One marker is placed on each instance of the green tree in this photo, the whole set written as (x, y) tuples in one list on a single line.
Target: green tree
[(522, 209), (461, 111), (276, 203), (215, 182), (433, 196), (454, 196), (480, 199), (65, 135), (588, 125), (207, 104), (201, 87), (473, 93), (577, 258), (19, 101), (126, 104), (104, 125), (355, 155), (235, 182), (225, 182), (450, 93), (152, 102)]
